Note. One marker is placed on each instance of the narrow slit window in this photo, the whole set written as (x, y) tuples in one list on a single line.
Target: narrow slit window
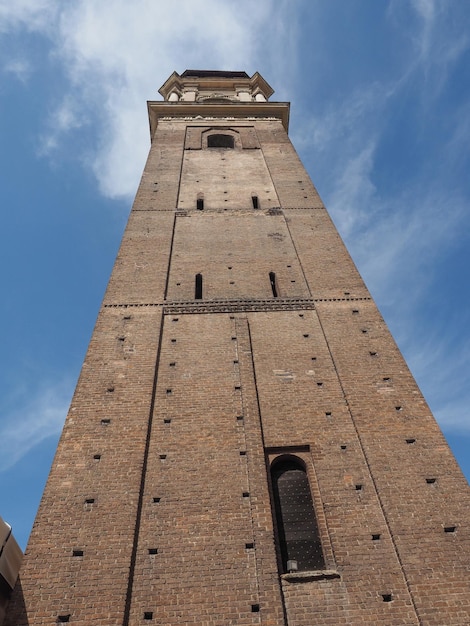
[(220, 141), (254, 200), (198, 287), (272, 280), (297, 529), (200, 203)]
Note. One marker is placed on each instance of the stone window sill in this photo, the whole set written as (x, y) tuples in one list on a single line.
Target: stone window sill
[(293, 577)]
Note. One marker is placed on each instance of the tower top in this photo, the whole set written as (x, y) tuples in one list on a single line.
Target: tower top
[(216, 94), (215, 86)]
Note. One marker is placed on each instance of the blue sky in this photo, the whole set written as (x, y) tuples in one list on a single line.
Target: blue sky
[(380, 116)]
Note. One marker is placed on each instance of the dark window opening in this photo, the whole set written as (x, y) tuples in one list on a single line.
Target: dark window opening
[(200, 204), (198, 287), (220, 141), (297, 528), (255, 202), (272, 280)]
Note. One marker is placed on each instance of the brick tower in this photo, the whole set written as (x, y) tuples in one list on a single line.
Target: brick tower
[(245, 444)]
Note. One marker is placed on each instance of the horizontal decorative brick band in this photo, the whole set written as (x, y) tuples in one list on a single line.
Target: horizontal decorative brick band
[(232, 306)]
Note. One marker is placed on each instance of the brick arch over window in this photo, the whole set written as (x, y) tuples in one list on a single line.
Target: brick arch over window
[(297, 529), (220, 140)]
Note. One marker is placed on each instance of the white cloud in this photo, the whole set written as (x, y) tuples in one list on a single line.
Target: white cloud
[(114, 65), (20, 68), (33, 15), (37, 419)]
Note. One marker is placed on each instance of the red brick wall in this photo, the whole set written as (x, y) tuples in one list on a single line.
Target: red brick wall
[(198, 396)]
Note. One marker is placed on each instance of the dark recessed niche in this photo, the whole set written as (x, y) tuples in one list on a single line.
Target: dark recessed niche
[(450, 529), (173, 341), (398, 408), (387, 597), (386, 379), (162, 456), (375, 536), (255, 608), (153, 550), (110, 389), (77, 552), (126, 317), (314, 358), (249, 546), (167, 420), (328, 413), (121, 338), (306, 335), (343, 447), (242, 452), (156, 500), (430, 481), (410, 440), (355, 311), (373, 353), (173, 364), (358, 487), (63, 619), (235, 361), (240, 418), (175, 319), (301, 314), (246, 494), (105, 421), (234, 338), (148, 615), (237, 387), (364, 331), (97, 457), (89, 501), (169, 392), (320, 384)]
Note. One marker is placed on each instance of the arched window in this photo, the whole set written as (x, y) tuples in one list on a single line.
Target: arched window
[(297, 527), (220, 141)]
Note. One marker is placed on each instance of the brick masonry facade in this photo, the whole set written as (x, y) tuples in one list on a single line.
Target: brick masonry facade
[(158, 507)]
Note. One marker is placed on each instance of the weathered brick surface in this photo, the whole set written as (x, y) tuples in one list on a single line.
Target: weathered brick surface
[(93, 587), (187, 402)]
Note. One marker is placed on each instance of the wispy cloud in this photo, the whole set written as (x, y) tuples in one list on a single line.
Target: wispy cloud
[(20, 68), (24, 424), (33, 15)]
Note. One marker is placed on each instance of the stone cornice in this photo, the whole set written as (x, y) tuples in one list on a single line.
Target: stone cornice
[(222, 110)]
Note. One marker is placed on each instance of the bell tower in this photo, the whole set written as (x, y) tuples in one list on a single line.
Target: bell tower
[(246, 444)]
